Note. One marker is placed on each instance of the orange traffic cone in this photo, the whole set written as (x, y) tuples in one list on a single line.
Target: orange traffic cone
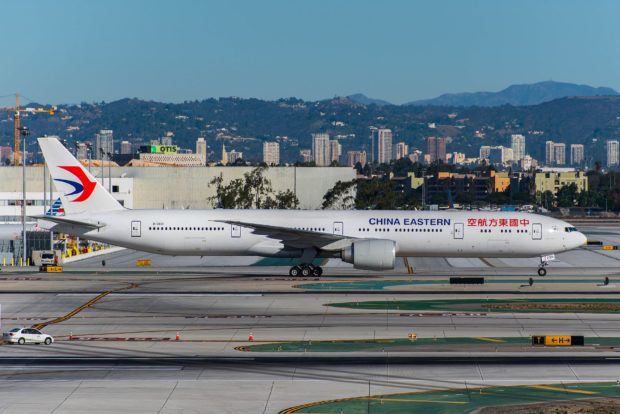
[(251, 337), (71, 336), (177, 337)]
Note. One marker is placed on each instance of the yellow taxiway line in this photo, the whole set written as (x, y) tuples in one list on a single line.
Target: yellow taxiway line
[(79, 309), (547, 387), (483, 338)]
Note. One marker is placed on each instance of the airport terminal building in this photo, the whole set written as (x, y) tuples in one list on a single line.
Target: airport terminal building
[(167, 187)]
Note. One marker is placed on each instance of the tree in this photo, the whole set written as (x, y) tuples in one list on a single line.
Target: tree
[(598, 167), (567, 195), (378, 194), (286, 200), (227, 196), (256, 187), (546, 199), (340, 196), (252, 191)]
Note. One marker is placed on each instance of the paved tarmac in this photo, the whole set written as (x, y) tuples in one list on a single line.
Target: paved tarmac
[(116, 329)]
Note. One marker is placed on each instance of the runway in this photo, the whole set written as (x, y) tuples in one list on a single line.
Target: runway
[(247, 387), (116, 329)]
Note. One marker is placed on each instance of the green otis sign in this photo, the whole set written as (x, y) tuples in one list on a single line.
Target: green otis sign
[(164, 149)]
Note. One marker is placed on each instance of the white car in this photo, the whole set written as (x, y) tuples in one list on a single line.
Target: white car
[(27, 335)]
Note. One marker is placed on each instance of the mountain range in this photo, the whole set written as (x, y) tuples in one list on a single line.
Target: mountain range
[(244, 124), (516, 95)]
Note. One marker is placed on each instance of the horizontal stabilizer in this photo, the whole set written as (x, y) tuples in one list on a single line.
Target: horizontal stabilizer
[(72, 222)]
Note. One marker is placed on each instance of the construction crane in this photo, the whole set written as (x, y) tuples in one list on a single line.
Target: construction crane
[(17, 124)]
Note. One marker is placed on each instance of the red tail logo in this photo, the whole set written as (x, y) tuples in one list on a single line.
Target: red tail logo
[(85, 186)]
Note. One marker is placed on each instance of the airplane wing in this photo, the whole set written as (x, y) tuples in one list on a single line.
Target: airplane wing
[(67, 221), (296, 238)]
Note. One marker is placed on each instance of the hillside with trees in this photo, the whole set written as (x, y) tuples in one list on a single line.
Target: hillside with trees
[(243, 124)]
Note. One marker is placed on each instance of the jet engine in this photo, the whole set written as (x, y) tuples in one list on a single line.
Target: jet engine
[(373, 254)]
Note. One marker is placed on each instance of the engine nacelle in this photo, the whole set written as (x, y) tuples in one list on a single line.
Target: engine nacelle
[(374, 254)]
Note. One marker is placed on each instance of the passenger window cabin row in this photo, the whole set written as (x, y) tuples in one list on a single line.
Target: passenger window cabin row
[(157, 228)]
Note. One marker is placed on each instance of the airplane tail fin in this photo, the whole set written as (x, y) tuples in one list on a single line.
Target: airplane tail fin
[(80, 191), (56, 209)]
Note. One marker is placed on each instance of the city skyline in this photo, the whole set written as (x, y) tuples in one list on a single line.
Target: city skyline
[(327, 151)]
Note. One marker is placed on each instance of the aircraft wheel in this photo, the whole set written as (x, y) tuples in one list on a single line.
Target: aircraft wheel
[(306, 271), (294, 271), (317, 271), (542, 271)]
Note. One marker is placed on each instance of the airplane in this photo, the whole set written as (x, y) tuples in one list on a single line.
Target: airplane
[(14, 231), (369, 240)]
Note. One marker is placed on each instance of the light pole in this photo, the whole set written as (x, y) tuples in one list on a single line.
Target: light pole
[(89, 147), (109, 172), (101, 154), (24, 131)]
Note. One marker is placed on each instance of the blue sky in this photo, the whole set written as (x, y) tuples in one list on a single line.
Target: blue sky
[(68, 51)]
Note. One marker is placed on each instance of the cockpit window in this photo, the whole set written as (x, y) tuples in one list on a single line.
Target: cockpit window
[(570, 229)]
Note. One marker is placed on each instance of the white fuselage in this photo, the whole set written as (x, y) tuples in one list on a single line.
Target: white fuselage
[(416, 233)]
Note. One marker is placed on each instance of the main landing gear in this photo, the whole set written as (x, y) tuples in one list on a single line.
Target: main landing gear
[(305, 270)]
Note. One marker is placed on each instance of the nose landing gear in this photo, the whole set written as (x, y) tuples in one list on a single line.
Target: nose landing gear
[(305, 270), (544, 261)]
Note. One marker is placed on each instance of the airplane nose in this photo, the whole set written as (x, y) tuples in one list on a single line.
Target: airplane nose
[(581, 239)]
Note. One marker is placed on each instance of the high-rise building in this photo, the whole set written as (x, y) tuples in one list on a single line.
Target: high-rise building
[(306, 155), (384, 145), (224, 159), (549, 152), (320, 149), (431, 148), (612, 153), (485, 151), (167, 140), (416, 156), (576, 154), (6, 153), (518, 146), (234, 156), (458, 158), (126, 147), (401, 150), (335, 151), (104, 144), (527, 163), (500, 155), (81, 151), (559, 154), (201, 149), (353, 157), (271, 153), (436, 148), (373, 138)]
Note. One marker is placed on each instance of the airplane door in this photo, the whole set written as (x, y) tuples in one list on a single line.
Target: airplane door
[(235, 231), (458, 230), (338, 227), (536, 231), (136, 228)]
